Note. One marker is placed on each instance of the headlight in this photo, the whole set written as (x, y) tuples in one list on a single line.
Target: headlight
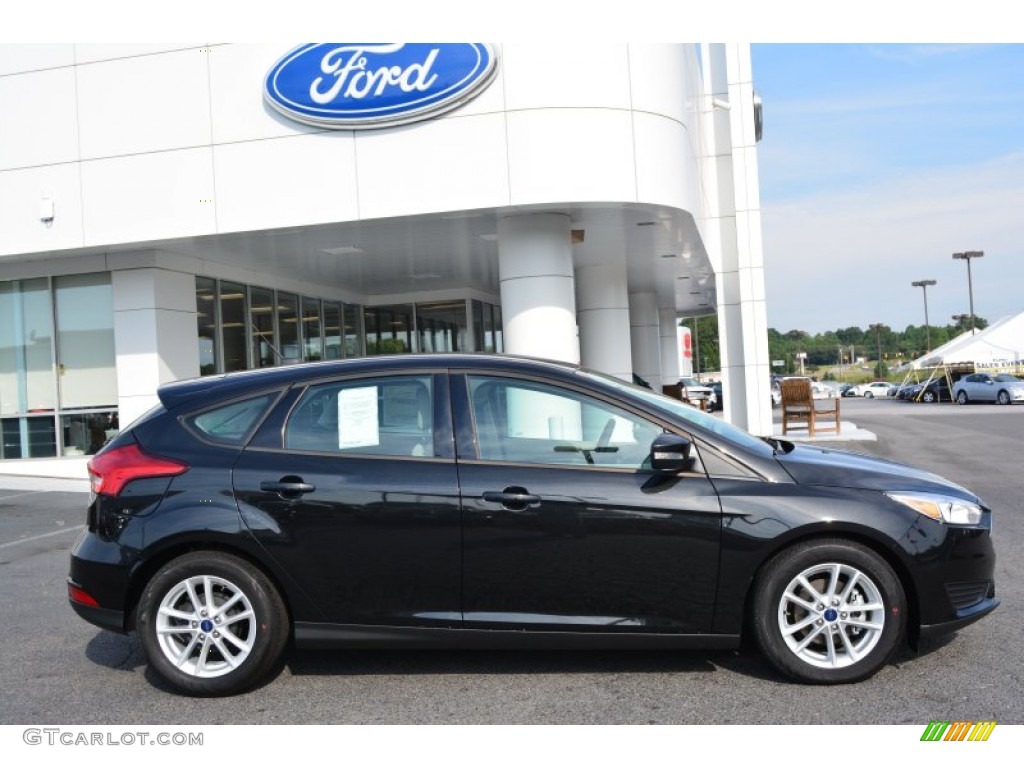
[(942, 508)]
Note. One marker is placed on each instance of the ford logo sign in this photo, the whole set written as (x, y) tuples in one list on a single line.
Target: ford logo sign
[(373, 85)]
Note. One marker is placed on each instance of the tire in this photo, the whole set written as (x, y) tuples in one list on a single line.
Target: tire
[(1003, 398), (824, 636), (869, 395), (928, 397), (961, 397), (234, 625)]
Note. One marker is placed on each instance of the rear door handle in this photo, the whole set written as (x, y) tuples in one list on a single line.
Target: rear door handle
[(287, 487), (516, 499)]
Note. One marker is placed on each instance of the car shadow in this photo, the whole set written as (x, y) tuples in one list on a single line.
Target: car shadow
[(114, 651)]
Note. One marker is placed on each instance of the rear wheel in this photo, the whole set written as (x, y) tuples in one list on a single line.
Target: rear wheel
[(869, 394), (830, 611), (961, 397), (211, 624)]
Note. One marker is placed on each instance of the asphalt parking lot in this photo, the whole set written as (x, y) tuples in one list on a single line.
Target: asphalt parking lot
[(58, 669)]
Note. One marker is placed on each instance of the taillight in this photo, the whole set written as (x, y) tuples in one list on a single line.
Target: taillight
[(111, 471), (78, 595)]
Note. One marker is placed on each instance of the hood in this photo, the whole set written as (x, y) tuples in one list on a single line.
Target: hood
[(810, 465)]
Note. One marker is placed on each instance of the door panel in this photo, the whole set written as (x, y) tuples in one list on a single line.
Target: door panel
[(371, 530), (565, 528)]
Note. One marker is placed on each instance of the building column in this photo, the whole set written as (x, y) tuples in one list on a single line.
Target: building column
[(734, 239), (538, 303), (644, 334), (668, 327), (155, 337), (602, 308)]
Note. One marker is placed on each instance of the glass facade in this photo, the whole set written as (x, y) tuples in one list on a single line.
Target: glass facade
[(58, 379), (241, 326)]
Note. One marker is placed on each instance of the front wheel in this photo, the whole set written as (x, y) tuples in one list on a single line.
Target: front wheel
[(1003, 398), (830, 611), (961, 397), (928, 397), (211, 624)]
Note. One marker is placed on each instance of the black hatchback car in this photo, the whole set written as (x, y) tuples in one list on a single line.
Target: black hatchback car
[(495, 502)]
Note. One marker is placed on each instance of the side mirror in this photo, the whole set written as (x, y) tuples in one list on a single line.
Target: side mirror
[(670, 454)]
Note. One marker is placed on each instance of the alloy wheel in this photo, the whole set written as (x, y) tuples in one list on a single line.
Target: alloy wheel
[(831, 615), (206, 626)]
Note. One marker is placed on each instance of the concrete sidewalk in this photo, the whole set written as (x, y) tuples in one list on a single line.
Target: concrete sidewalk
[(847, 431)]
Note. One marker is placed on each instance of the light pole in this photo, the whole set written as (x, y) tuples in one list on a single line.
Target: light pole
[(923, 285), (967, 256)]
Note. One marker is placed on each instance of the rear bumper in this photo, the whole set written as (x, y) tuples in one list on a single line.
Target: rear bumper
[(104, 618)]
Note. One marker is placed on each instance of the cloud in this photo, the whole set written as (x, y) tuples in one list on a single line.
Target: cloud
[(843, 258)]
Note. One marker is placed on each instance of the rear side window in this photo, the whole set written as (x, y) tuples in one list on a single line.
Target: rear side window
[(388, 416), (231, 424)]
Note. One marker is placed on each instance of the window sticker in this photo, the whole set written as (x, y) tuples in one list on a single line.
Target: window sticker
[(358, 425)]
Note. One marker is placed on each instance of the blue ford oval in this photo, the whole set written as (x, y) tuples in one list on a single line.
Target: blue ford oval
[(373, 85)]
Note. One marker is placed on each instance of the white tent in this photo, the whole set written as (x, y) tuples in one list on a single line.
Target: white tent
[(999, 345)]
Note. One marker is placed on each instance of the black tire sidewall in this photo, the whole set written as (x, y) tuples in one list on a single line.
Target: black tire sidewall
[(272, 624), (777, 574)]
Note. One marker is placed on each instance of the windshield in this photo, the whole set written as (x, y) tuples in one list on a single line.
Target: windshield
[(688, 382), (1006, 377), (685, 413)]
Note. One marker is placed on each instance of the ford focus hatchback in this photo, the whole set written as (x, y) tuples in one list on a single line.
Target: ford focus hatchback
[(496, 502)]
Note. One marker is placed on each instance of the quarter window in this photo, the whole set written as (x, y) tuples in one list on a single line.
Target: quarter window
[(390, 416), (232, 423)]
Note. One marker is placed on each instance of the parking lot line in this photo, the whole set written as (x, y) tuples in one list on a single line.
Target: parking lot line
[(27, 539)]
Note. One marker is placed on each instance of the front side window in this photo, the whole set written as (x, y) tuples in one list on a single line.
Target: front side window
[(532, 423), (385, 416)]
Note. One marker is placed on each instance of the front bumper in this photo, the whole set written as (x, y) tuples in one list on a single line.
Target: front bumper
[(954, 568), (965, 616)]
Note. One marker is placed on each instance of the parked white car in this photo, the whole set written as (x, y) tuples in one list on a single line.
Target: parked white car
[(695, 391), (873, 389)]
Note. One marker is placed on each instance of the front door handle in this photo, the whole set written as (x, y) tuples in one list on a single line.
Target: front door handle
[(287, 487), (513, 498)]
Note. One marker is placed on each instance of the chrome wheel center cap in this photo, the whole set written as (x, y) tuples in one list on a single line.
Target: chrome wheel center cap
[(830, 615), (207, 626)]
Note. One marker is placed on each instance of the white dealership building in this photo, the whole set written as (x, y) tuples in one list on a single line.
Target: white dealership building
[(175, 211)]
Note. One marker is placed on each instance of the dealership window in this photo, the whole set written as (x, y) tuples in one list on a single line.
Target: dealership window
[(234, 335), (240, 326), (352, 316), (389, 329), (312, 330), (441, 326), (487, 331), (264, 337), (58, 381), (206, 324)]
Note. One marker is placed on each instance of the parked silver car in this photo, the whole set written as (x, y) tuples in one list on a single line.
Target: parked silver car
[(1002, 388)]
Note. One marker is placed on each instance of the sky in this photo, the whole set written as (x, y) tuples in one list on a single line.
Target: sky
[(877, 163)]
